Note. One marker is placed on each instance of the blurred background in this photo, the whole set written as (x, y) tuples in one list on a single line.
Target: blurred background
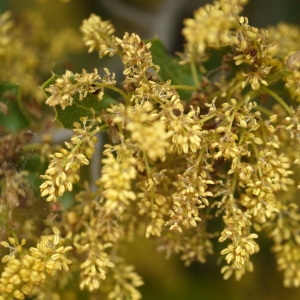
[(149, 18), (164, 279)]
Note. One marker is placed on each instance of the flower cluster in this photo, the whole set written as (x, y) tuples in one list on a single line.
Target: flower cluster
[(293, 80), (147, 130), (136, 57), (191, 196), (220, 24), (63, 90), (98, 36), (229, 156), (117, 174), (242, 244), (62, 172), (126, 282), (22, 273), (98, 230), (217, 165), (211, 27)]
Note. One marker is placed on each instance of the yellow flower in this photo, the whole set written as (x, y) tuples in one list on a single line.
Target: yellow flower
[(98, 36)]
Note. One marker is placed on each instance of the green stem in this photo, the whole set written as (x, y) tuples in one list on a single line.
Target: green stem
[(32, 147), (264, 110), (279, 75), (202, 121), (199, 159), (146, 164), (233, 116), (92, 133), (235, 174), (20, 102), (184, 87), (277, 98), (119, 91), (257, 157), (113, 88), (234, 181), (194, 74), (250, 95)]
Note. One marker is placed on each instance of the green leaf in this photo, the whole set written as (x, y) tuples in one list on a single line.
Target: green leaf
[(79, 109), (12, 113), (171, 69), (47, 83)]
